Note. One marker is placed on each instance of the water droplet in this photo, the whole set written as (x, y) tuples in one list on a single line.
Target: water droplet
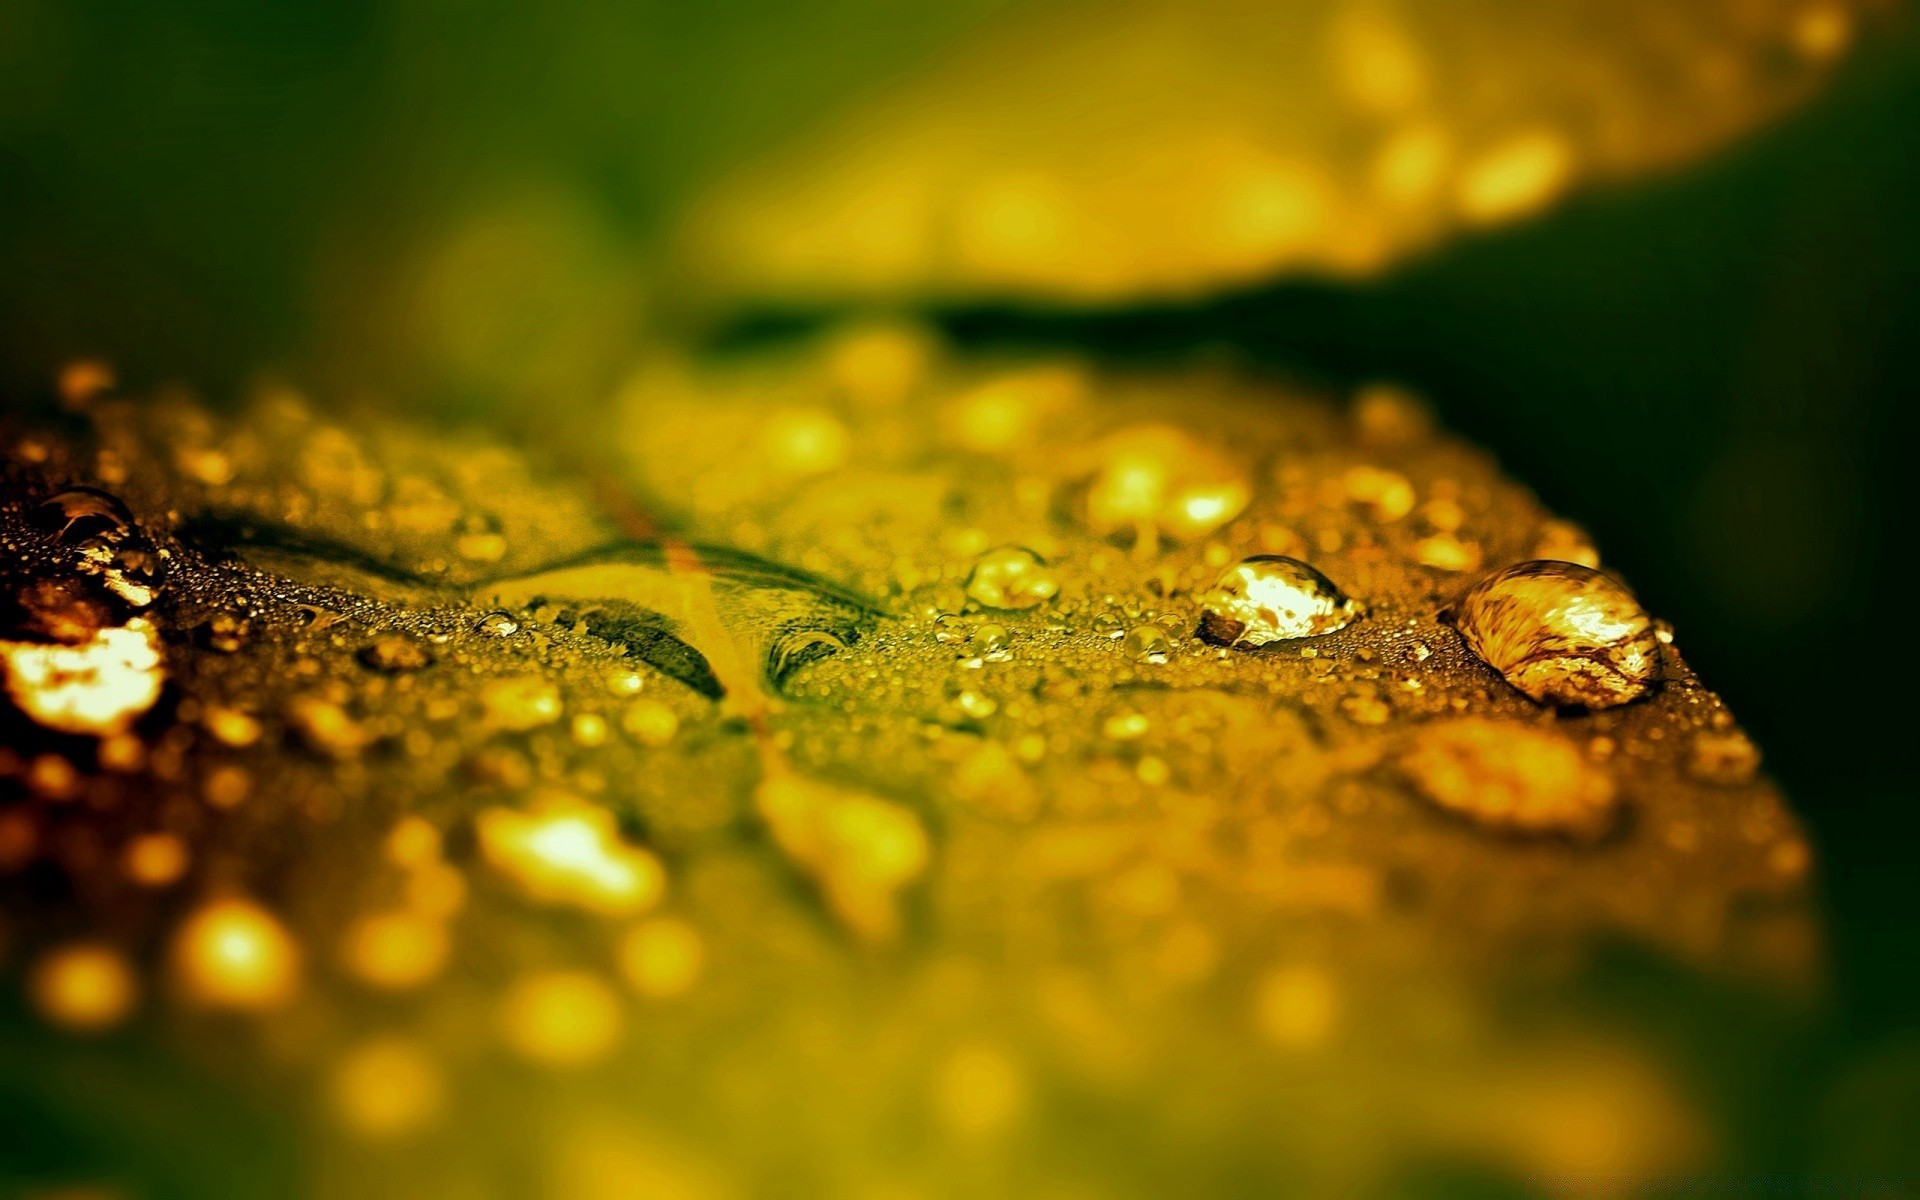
[(1148, 644), (993, 642), (497, 624), (80, 514), (795, 648), (1562, 634), (1269, 598), (1510, 778), (1011, 577), (99, 526), (948, 629)]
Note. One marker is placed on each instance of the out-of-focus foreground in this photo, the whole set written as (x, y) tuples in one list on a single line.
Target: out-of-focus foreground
[(848, 602)]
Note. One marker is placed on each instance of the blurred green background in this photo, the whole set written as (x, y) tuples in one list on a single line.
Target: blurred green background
[(1714, 371)]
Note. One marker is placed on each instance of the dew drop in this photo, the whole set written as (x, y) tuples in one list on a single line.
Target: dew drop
[(993, 642), (1148, 644), (81, 514), (1270, 598), (1010, 577), (497, 624), (110, 544), (1562, 634)]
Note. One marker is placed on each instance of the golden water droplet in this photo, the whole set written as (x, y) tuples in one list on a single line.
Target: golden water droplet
[(993, 643), (1011, 577), (1269, 598), (1148, 644), (83, 987), (1509, 778), (497, 624), (1562, 634), (235, 954)]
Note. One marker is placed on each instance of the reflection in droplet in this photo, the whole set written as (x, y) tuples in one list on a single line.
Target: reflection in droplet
[(1562, 634), (1270, 598), (1011, 577)]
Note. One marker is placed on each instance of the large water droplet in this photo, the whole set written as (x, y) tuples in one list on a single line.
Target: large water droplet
[(1148, 644), (110, 544), (1562, 634), (497, 624), (1010, 577), (1269, 598), (78, 514)]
